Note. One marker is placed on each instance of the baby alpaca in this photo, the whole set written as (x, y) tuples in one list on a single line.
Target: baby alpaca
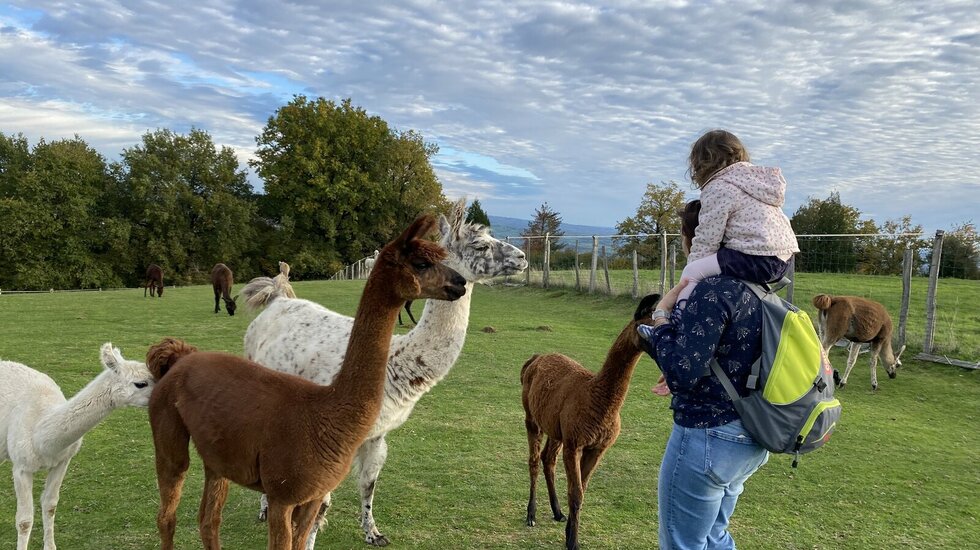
[(859, 320), (41, 430), (577, 410)]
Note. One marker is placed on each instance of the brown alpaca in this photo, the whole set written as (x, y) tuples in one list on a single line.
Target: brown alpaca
[(277, 433), (858, 320), (577, 410), (222, 281), (153, 281)]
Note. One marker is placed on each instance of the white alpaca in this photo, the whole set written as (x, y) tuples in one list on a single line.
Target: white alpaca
[(40, 430), (369, 263), (300, 337)]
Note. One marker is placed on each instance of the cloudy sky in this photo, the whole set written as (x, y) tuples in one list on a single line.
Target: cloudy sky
[(577, 104)]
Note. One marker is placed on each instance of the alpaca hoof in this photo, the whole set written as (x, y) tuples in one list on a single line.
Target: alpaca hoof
[(874, 387), (378, 540), (560, 517), (530, 522), (263, 514)]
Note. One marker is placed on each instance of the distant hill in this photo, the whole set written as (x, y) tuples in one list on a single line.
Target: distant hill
[(502, 226)]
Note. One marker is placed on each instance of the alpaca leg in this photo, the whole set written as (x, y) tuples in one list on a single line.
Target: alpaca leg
[(534, 456), (217, 297), (852, 356), (24, 487), (572, 458), (371, 458), (304, 516), (263, 507), (280, 526), (318, 522), (875, 352), (549, 457), (212, 502), (49, 501), (590, 459), (170, 440)]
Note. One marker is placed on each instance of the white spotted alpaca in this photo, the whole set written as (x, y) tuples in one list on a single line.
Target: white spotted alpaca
[(41, 430), (304, 338)]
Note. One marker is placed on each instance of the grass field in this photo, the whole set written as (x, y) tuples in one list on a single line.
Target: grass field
[(901, 472)]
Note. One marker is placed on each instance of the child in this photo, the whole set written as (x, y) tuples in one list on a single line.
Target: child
[(742, 232)]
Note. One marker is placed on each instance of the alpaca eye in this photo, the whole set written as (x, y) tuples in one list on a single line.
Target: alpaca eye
[(140, 385), (422, 265)]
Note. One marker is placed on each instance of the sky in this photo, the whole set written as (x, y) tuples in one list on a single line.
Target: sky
[(578, 105)]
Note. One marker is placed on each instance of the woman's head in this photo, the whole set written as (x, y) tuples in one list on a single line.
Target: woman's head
[(689, 222), (712, 152)]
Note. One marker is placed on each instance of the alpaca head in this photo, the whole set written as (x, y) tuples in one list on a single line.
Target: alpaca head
[(130, 382), (230, 305), (474, 252), (643, 316), (411, 266), (893, 369)]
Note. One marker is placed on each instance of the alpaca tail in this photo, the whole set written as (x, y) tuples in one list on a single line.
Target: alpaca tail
[(162, 356), (526, 365), (261, 291), (822, 302)]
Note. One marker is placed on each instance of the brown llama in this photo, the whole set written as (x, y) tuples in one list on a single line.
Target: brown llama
[(222, 280), (153, 281), (278, 433), (858, 320), (577, 410)]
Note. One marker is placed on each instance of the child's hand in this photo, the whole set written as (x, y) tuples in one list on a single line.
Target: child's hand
[(670, 298), (661, 388)]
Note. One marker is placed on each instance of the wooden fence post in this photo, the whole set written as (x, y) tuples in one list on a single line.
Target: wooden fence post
[(663, 261), (673, 262), (937, 252), (595, 263), (906, 295), (546, 270), (578, 282), (791, 274), (636, 276), (527, 272), (605, 267)]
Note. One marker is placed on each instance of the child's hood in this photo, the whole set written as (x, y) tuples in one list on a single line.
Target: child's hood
[(763, 183)]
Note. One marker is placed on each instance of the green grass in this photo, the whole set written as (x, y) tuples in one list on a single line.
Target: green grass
[(901, 471)]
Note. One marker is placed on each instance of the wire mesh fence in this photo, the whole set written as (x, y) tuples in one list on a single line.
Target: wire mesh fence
[(934, 299)]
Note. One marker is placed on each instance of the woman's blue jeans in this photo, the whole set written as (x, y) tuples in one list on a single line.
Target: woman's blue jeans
[(702, 473)]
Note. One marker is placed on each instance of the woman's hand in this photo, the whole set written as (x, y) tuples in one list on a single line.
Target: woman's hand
[(670, 299), (661, 388)]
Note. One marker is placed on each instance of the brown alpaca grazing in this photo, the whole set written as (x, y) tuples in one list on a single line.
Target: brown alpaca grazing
[(859, 320), (222, 280), (577, 410), (153, 281), (277, 433)]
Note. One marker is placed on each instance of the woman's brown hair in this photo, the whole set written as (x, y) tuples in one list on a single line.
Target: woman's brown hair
[(689, 220), (712, 152)]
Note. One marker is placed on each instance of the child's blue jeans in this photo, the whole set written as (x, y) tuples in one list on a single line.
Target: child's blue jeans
[(702, 473)]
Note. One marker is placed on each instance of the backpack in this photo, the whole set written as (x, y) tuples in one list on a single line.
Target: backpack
[(790, 407)]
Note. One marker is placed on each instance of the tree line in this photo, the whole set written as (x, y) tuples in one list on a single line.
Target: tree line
[(881, 253), (338, 184)]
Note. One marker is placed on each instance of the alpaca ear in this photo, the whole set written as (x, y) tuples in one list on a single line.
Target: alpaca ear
[(459, 214), (111, 357), (420, 229), (646, 306), (444, 228)]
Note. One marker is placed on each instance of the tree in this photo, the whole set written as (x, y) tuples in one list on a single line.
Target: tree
[(656, 213), (343, 181), (828, 217), (961, 253), (546, 222), (475, 214), (885, 254), (190, 204)]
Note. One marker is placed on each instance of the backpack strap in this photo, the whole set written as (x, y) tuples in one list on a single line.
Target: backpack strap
[(723, 378), (761, 290)]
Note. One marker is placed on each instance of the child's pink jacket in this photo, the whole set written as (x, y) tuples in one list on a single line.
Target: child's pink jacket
[(741, 207)]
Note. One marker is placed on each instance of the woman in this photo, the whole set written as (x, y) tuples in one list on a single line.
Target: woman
[(709, 455)]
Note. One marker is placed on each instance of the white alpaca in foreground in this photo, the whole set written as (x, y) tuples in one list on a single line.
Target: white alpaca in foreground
[(304, 338), (41, 430)]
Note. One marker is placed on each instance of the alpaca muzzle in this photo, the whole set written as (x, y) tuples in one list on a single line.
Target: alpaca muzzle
[(456, 288)]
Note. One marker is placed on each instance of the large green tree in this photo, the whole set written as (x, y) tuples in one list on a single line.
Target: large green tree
[(339, 182), (828, 220), (56, 233), (190, 205), (884, 254), (656, 213), (961, 253)]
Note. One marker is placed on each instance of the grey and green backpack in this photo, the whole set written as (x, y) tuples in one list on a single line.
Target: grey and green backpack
[(790, 407)]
